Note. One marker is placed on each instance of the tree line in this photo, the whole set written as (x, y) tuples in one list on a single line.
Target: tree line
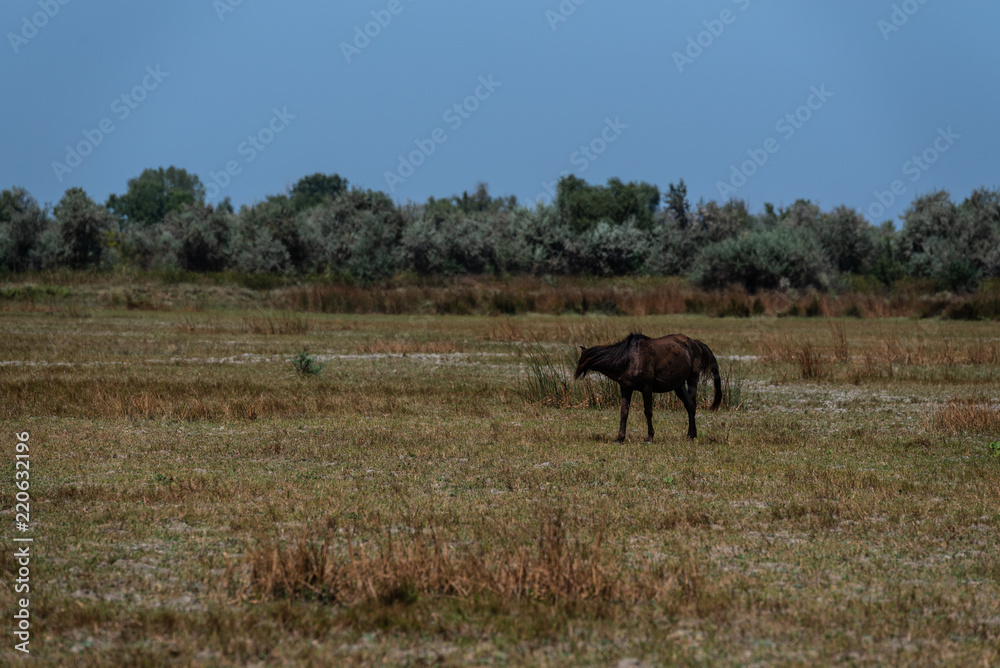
[(323, 226)]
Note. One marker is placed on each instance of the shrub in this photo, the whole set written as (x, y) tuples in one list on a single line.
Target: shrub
[(953, 245), (22, 225), (205, 235), (306, 365), (256, 251), (150, 247), (760, 260), (421, 247), (612, 250), (358, 234)]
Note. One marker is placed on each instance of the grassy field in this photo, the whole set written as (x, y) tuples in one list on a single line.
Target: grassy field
[(425, 499)]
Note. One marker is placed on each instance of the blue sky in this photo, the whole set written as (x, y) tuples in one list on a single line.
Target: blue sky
[(766, 101)]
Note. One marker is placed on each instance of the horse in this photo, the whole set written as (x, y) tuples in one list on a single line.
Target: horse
[(648, 365)]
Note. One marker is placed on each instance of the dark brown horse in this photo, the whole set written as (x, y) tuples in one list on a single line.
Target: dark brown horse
[(666, 364)]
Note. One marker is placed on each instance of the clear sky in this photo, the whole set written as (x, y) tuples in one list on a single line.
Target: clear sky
[(767, 101)]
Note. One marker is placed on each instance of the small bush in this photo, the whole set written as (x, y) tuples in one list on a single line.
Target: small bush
[(306, 365)]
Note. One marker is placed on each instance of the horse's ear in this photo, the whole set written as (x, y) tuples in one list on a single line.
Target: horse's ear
[(583, 349)]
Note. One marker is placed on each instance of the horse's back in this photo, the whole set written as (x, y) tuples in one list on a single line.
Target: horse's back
[(681, 351)]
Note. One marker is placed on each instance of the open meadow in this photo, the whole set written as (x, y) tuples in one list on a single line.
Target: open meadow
[(441, 492)]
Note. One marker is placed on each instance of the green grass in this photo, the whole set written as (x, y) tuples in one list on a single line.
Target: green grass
[(196, 501)]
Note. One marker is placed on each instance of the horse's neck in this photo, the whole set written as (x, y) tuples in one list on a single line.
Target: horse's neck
[(612, 371)]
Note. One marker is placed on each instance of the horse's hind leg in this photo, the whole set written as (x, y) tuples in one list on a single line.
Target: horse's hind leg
[(689, 405), (692, 384), (647, 408), (626, 400)]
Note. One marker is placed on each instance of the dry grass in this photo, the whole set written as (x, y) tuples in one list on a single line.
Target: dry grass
[(199, 503), (396, 346), (542, 563), (970, 415), (637, 297), (812, 364)]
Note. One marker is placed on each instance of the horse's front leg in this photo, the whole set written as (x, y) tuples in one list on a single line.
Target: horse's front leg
[(647, 408), (626, 400)]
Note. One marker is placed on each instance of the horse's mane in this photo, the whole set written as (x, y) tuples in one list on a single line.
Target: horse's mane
[(614, 356)]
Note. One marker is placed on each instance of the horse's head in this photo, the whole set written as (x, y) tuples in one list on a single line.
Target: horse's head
[(581, 367)]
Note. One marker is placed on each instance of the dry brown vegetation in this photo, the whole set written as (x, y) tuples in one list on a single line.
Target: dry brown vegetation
[(970, 414), (543, 563), (197, 502), (634, 297)]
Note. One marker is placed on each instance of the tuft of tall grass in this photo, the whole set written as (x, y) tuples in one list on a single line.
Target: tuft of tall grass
[(733, 387), (812, 364), (548, 380), (840, 348), (974, 414), (543, 563)]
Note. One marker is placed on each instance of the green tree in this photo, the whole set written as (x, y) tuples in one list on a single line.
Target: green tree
[(82, 230), (803, 213), (727, 221), (677, 204), (941, 241), (22, 224), (292, 230), (314, 189), (636, 201), (583, 206), (359, 233), (979, 222), (848, 240), (887, 267), (479, 202), (155, 193)]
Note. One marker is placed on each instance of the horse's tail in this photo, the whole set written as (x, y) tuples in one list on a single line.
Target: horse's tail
[(713, 365)]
